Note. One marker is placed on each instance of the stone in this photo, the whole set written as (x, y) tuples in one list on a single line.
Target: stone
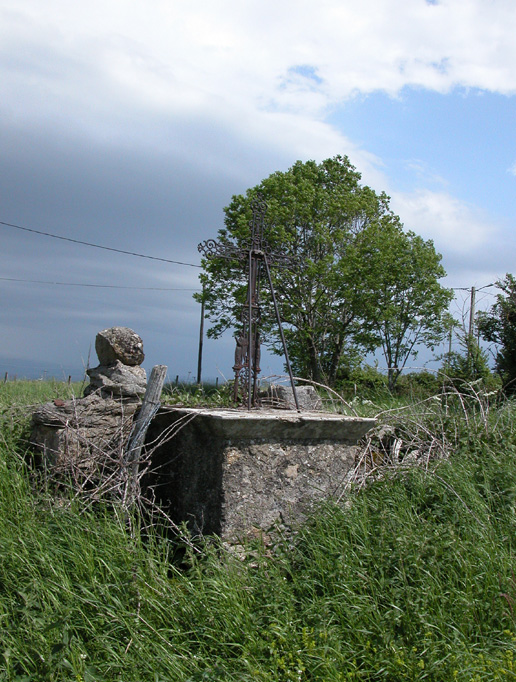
[(117, 379), (234, 472), (85, 437), (282, 397), (82, 438), (119, 344)]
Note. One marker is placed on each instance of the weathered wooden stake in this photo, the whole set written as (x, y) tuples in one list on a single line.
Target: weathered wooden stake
[(150, 405), (5, 377)]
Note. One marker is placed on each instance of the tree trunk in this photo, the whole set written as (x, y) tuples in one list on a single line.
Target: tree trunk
[(315, 365)]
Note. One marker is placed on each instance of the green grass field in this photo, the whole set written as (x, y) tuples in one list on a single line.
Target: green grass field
[(412, 577)]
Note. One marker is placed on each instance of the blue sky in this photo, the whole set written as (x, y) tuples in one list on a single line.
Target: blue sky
[(132, 124), (464, 140)]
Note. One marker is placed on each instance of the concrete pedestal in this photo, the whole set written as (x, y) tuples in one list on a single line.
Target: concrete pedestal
[(231, 472)]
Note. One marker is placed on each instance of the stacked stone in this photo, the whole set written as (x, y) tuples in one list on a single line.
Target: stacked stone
[(120, 354), (79, 436)]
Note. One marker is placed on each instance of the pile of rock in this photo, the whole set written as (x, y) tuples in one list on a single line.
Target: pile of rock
[(84, 436), (120, 354)]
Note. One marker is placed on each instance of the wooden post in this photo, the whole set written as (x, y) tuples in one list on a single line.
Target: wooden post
[(150, 405), (471, 330), (5, 377), (472, 313)]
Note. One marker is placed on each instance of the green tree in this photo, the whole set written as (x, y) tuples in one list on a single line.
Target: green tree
[(498, 325), (405, 306), (324, 218), (467, 366)]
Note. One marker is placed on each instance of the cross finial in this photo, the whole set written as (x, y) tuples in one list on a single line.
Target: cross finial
[(247, 354)]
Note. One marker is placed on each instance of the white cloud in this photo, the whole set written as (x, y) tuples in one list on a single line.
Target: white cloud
[(424, 173), (467, 239), (163, 75), (186, 56), (455, 227), (512, 169)]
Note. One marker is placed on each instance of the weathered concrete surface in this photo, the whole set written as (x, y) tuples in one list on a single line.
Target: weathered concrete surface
[(230, 472)]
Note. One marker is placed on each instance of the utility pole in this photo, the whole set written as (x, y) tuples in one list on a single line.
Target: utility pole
[(471, 329), (472, 312), (201, 339)]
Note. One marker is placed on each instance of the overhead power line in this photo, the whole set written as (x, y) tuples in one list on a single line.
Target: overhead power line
[(97, 286), (98, 246), (486, 286)]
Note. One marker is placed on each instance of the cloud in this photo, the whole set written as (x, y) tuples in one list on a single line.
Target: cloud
[(132, 123), (196, 81), (449, 222), (421, 171), (301, 56), (467, 238)]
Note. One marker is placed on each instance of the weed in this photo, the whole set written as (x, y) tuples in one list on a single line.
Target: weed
[(411, 578)]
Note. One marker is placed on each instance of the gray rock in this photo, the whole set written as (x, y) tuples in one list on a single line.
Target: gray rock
[(282, 397), (117, 379), (82, 437), (119, 343)]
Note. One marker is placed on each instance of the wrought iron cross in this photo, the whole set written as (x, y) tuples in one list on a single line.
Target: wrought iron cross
[(257, 258)]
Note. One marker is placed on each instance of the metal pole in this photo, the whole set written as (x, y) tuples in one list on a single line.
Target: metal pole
[(278, 319)]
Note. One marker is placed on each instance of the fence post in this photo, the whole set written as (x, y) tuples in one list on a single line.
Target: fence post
[(150, 405)]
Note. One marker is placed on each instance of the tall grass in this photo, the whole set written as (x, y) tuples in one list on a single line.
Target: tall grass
[(410, 578)]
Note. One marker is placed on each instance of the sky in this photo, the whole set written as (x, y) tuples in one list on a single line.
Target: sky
[(131, 124)]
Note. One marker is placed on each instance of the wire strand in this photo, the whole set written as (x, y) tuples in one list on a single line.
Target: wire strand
[(97, 286), (98, 246)]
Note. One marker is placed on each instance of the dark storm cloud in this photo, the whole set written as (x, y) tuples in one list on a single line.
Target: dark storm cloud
[(132, 125), (150, 198)]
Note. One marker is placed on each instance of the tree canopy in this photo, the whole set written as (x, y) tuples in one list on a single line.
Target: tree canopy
[(360, 282), (404, 304), (498, 325)]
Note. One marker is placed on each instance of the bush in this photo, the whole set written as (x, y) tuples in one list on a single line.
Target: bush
[(418, 384), (365, 381)]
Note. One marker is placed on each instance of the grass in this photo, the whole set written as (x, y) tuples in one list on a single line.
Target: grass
[(195, 395), (411, 578)]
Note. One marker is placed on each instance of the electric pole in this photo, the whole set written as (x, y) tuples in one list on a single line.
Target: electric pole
[(201, 339)]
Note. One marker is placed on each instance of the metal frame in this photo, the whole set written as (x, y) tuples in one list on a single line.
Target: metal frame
[(259, 257)]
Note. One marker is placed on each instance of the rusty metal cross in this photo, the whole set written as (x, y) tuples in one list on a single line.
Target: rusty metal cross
[(257, 258)]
